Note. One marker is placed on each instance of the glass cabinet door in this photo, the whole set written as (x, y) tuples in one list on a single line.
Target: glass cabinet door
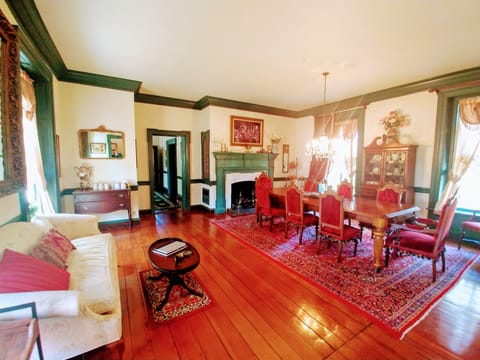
[(395, 167), (373, 168)]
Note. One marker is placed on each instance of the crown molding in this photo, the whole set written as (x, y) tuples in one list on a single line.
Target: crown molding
[(163, 100)]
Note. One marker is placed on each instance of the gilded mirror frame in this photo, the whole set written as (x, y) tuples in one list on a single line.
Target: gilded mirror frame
[(110, 147), (11, 121)]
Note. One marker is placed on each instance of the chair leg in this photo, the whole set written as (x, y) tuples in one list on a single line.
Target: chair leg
[(339, 252), (387, 256), (301, 235), (443, 261), (355, 248)]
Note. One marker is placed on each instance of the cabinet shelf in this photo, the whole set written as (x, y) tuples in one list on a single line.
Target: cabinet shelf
[(388, 163)]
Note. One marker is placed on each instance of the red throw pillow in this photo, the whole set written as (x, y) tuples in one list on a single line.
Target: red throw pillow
[(20, 272), (53, 248)]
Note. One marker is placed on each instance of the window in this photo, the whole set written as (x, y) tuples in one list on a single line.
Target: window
[(467, 152)]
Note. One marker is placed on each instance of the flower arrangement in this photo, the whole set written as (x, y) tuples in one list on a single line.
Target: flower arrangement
[(394, 120), (275, 138)]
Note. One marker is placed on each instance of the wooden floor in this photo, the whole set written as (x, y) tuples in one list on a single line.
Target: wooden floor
[(262, 311)]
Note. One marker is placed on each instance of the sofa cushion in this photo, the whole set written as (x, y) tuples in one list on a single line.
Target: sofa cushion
[(20, 236), (20, 272), (54, 248), (91, 273)]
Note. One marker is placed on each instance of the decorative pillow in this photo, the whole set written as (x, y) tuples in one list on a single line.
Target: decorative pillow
[(54, 248), (20, 272)]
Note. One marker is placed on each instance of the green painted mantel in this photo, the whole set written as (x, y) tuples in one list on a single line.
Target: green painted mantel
[(232, 162)]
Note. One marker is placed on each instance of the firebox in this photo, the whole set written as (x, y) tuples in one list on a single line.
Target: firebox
[(243, 196)]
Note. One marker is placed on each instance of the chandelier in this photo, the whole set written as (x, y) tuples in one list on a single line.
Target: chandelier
[(321, 148)]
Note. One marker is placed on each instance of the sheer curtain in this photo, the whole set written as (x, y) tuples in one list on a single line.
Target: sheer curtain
[(37, 194), (467, 142), (345, 135)]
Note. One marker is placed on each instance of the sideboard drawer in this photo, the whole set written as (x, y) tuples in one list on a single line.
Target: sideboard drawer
[(102, 201)]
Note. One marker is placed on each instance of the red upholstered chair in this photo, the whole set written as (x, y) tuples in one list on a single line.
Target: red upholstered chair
[(390, 194), (471, 225), (267, 182), (310, 185), (265, 209), (294, 213), (332, 226), (345, 189), (428, 243)]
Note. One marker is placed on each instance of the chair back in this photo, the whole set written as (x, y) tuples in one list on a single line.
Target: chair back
[(444, 223), (345, 189), (262, 195), (294, 205), (390, 194), (310, 185), (331, 214), (265, 180)]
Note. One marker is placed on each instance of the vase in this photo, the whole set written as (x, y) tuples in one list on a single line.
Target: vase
[(391, 135), (275, 148)]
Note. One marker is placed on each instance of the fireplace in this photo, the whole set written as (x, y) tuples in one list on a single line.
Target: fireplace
[(243, 197), (231, 168)]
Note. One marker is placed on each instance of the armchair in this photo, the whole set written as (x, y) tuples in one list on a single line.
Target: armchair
[(390, 193), (265, 209), (294, 213), (427, 243), (345, 189), (264, 180), (470, 225), (332, 226)]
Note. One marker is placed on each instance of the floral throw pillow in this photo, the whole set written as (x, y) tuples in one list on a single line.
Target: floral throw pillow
[(54, 248)]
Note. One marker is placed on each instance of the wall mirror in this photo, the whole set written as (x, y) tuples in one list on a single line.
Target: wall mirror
[(101, 143), (12, 160)]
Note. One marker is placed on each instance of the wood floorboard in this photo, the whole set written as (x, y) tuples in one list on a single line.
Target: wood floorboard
[(263, 311)]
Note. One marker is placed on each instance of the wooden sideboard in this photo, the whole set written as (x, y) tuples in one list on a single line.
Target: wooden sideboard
[(102, 201)]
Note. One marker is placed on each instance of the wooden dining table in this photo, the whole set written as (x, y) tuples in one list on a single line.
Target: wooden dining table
[(376, 213)]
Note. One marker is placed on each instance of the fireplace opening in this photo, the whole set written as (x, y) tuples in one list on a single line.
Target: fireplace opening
[(243, 197)]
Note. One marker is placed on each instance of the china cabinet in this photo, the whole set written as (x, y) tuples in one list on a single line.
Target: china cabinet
[(388, 163)]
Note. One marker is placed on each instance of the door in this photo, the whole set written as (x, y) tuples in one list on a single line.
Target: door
[(172, 170)]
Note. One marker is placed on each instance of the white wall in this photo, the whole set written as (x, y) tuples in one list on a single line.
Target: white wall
[(421, 109), (215, 119), (87, 107)]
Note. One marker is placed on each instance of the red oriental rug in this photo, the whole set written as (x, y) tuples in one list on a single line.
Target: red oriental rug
[(395, 299), (180, 302)]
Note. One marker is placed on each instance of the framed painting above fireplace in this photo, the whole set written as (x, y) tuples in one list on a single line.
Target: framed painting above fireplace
[(245, 131)]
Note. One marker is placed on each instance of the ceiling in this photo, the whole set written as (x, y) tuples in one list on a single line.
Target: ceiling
[(266, 52)]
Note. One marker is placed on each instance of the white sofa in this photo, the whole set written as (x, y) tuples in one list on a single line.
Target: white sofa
[(88, 314)]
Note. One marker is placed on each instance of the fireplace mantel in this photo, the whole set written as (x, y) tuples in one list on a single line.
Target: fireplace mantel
[(228, 162)]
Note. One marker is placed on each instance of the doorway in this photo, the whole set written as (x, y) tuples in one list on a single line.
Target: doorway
[(169, 164)]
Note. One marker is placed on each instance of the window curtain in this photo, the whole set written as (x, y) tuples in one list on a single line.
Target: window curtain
[(467, 142), (344, 138), (37, 194), (342, 165)]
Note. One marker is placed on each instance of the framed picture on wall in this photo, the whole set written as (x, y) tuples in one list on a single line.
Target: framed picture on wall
[(205, 139), (285, 158), (98, 148), (246, 131)]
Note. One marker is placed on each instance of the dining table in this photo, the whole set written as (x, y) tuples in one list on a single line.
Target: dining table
[(377, 214)]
